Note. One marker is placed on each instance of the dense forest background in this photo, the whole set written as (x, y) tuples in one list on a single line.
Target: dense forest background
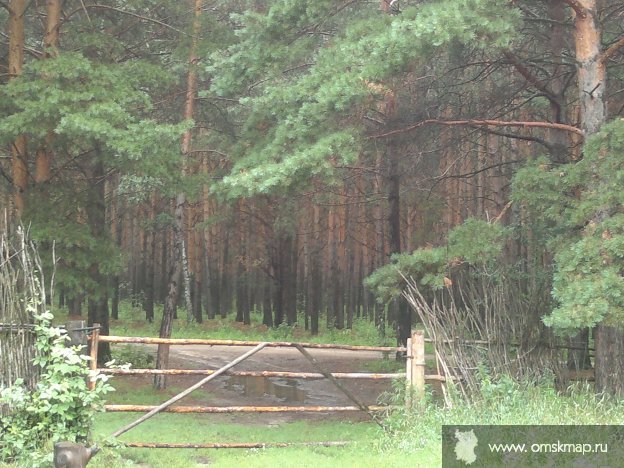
[(237, 156)]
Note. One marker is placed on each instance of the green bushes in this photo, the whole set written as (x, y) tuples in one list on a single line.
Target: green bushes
[(501, 401), (60, 407)]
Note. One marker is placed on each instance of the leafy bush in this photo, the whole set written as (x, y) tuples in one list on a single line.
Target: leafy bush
[(135, 356), (61, 407)]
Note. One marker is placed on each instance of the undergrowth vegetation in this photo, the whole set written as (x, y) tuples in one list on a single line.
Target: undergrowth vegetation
[(132, 322), (501, 402), (59, 408)]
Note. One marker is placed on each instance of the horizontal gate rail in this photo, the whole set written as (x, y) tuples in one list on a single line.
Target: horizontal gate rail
[(277, 374), (243, 445), (414, 374), (272, 344), (240, 409)]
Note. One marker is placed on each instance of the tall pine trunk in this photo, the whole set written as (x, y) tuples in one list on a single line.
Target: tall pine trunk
[(19, 155), (96, 216), (177, 258), (609, 341)]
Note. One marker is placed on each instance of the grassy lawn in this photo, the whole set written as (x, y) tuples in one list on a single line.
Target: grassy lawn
[(363, 452)]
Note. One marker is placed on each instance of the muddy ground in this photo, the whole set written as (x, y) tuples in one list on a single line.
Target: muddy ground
[(260, 391)]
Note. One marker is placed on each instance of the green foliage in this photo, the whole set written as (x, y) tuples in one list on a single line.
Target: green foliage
[(474, 242), (90, 106), (88, 113), (133, 356), (290, 134), (501, 402), (588, 282), (427, 266), (578, 208), (61, 407)]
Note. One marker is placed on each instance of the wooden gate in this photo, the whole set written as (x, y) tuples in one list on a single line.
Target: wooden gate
[(415, 375)]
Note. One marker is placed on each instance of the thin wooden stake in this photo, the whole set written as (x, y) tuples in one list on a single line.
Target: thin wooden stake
[(181, 395), (408, 374), (95, 335)]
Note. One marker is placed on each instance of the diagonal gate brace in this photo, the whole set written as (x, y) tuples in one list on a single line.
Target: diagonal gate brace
[(181, 395), (329, 376)]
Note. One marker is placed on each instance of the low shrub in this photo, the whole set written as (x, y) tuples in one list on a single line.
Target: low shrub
[(136, 357), (60, 407)]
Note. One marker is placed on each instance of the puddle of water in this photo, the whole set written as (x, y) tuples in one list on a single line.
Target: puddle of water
[(286, 390)]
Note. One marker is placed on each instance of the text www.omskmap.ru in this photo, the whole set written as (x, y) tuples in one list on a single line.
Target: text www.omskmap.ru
[(557, 447)]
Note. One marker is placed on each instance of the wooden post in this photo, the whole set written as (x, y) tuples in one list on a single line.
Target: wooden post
[(408, 374), (77, 334), (415, 367), (95, 338), (417, 363)]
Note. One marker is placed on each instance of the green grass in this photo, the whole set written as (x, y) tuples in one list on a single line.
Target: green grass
[(132, 323), (411, 437), (502, 403), (200, 428)]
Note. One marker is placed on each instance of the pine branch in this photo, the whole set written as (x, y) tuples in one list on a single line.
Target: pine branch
[(533, 79), (483, 123), (129, 13), (580, 11), (612, 50)]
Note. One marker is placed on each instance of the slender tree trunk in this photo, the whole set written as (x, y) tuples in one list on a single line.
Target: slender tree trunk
[(267, 312), (150, 262), (332, 267), (19, 155), (226, 289), (291, 282), (117, 221), (171, 300), (177, 259), (96, 215), (43, 157)]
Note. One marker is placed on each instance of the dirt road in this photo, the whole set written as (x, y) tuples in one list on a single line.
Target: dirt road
[(261, 391)]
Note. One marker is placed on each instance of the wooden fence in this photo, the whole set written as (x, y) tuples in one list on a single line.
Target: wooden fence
[(414, 374)]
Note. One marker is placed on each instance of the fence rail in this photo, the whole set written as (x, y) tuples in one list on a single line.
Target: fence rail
[(414, 373), (271, 344)]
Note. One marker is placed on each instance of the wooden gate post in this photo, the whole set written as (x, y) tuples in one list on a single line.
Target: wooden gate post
[(77, 335), (415, 366), (95, 339)]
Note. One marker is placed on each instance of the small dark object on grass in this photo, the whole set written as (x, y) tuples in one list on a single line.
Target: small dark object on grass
[(71, 455)]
